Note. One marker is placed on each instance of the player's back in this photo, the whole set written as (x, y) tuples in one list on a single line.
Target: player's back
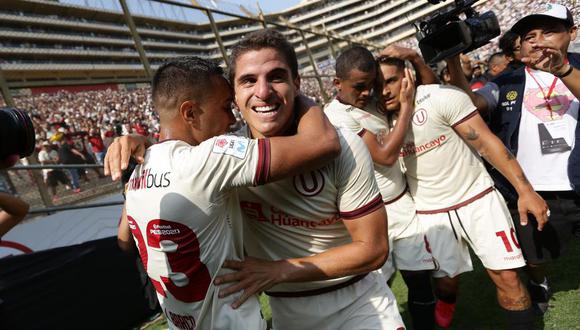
[(184, 215)]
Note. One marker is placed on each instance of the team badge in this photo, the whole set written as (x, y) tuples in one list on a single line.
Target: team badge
[(420, 117), (511, 95), (309, 184)]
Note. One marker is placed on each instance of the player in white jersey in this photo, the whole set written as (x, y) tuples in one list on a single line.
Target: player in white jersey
[(181, 204), (455, 197), (313, 240), (357, 109)]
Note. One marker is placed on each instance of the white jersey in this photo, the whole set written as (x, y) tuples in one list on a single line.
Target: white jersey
[(184, 213), (390, 179), (449, 172), (303, 215)]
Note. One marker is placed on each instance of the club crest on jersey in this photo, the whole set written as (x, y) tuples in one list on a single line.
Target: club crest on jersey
[(309, 184), (420, 117), (231, 145)]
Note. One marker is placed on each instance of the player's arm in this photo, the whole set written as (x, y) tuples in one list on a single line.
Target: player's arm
[(367, 251), (314, 144), (425, 75), (385, 146), (124, 237), (476, 133), (13, 211), (458, 79)]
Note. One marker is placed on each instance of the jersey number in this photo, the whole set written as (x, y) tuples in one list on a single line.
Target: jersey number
[(189, 278), (506, 242)]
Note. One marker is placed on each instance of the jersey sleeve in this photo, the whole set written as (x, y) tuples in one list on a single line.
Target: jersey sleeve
[(230, 161), (455, 105), (358, 193), (340, 116)]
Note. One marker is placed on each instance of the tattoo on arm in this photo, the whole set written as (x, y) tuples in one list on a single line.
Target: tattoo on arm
[(380, 137), (472, 135)]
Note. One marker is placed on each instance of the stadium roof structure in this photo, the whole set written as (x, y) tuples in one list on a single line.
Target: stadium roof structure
[(47, 43)]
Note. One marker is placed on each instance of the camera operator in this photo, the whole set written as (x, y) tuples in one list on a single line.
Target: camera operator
[(534, 111)]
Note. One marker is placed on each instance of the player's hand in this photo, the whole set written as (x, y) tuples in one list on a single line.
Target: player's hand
[(407, 93), (121, 150), (531, 202), (546, 57), (252, 276), (399, 52)]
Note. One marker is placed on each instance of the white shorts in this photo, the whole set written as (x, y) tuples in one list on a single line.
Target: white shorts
[(485, 224), (407, 241), (366, 304)]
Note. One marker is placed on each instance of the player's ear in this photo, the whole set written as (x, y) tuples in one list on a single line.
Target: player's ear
[(297, 83), (189, 111), (336, 83)]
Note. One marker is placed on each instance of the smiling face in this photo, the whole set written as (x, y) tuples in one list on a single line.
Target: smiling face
[(265, 91), (357, 88)]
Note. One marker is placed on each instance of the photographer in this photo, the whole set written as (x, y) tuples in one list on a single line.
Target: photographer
[(540, 131)]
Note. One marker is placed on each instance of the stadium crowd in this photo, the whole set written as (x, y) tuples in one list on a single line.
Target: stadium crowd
[(81, 126)]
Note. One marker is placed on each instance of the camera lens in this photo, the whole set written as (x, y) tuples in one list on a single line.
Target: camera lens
[(16, 133)]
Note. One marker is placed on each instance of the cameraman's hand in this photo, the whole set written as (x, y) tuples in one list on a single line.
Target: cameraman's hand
[(9, 161), (546, 57), (121, 150), (399, 52)]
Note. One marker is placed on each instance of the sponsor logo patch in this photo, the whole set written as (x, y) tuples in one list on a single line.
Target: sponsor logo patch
[(511, 95), (232, 146)]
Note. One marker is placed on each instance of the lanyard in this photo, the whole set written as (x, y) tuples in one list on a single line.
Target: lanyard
[(550, 91)]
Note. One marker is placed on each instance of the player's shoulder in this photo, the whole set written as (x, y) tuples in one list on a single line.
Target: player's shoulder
[(351, 145)]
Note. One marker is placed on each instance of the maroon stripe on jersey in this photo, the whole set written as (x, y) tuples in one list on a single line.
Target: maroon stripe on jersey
[(262, 175), (465, 118), (315, 292), (396, 198), (372, 206), (460, 205), (361, 132)]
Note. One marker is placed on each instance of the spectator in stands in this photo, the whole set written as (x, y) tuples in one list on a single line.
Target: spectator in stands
[(69, 154), (97, 145), (48, 156)]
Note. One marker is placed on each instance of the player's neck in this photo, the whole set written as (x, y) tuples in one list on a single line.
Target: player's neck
[(172, 133)]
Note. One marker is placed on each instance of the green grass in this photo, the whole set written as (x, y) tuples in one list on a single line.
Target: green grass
[(477, 307)]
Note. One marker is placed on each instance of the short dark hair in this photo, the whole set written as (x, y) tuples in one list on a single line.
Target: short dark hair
[(507, 41), (182, 78), (265, 38), (399, 63), (492, 59), (355, 57)]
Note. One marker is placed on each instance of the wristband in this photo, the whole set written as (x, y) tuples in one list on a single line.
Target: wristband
[(565, 74)]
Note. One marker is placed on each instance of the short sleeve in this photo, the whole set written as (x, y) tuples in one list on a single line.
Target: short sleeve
[(455, 105), (490, 92), (358, 193), (341, 117), (231, 161)]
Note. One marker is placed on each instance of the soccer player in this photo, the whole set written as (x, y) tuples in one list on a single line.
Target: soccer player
[(314, 239), (534, 111), (356, 109), (181, 203), (455, 197)]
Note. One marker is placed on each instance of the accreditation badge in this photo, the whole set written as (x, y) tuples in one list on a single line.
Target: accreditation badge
[(552, 137)]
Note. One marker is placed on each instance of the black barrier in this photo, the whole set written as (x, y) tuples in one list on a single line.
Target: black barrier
[(88, 286)]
